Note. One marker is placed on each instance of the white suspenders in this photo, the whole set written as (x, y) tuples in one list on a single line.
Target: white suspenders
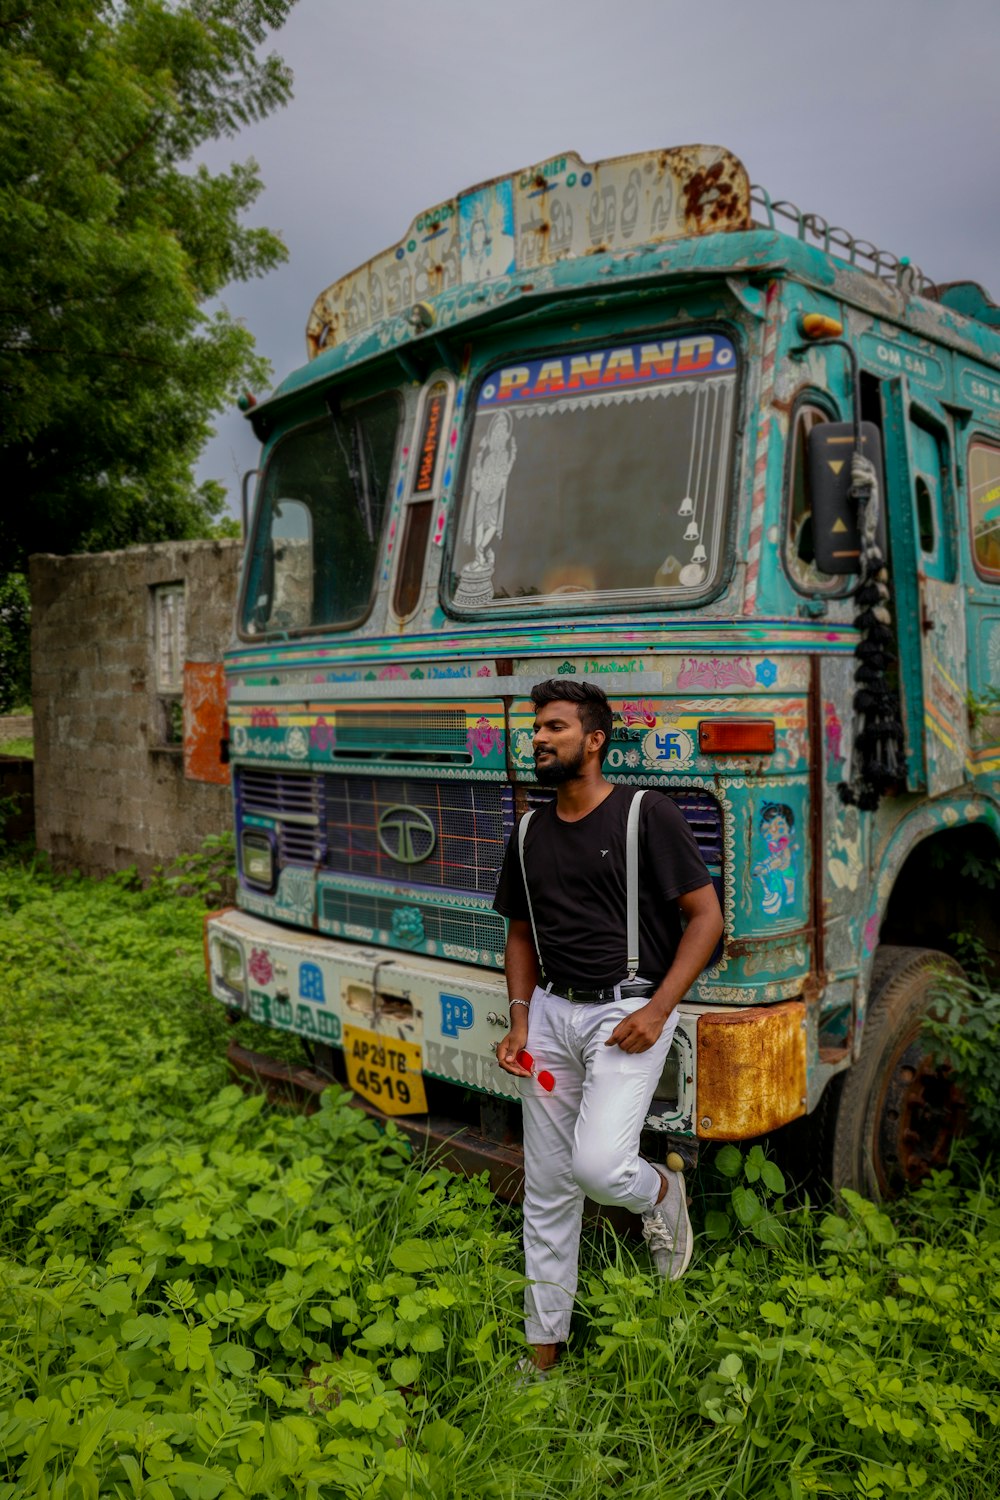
[(631, 881)]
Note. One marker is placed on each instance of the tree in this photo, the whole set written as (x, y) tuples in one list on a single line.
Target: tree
[(15, 643), (111, 241)]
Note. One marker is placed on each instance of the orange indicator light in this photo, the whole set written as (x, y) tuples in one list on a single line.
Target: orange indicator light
[(735, 736), (819, 326)]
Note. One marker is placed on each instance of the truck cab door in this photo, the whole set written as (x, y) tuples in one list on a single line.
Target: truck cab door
[(929, 600)]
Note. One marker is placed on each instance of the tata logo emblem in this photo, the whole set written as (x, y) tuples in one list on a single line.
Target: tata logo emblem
[(406, 834)]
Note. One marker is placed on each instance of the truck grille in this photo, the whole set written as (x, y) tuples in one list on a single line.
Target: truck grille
[(331, 821), (400, 729), (296, 804), (700, 809), (471, 821), (704, 818), (417, 925)]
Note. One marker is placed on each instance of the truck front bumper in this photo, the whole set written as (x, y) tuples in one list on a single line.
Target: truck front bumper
[(731, 1074)]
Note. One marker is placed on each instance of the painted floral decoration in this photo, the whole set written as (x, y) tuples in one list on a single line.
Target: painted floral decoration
[(260, 966), (407, 925)]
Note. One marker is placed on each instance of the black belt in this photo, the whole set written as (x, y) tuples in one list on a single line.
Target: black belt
[(579, 996)]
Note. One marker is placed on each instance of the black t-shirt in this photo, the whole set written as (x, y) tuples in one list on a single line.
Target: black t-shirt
[(576, 875)]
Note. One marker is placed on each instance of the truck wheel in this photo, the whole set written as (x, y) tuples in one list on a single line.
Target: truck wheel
[(898, 1110)]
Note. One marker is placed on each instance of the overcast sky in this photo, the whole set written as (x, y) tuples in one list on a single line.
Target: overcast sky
[(881, 115)]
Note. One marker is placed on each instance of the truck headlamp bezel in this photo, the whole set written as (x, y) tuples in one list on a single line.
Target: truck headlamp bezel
[(228, 965), (256, 845)]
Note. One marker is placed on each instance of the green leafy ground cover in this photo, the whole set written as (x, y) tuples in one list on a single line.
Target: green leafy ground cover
[(202, 1297), (23, 748)]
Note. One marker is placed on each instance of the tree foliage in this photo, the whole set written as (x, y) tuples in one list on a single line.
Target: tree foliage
[(15, 643), (113, 238)]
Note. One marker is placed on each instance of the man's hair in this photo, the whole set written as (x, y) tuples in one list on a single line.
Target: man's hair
[(591, 703)]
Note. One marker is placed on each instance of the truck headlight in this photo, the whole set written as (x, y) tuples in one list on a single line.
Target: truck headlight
[(257, 859), (228, 965)]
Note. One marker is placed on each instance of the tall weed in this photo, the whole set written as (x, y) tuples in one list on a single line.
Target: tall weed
[(965, 1030), (203, 1297)]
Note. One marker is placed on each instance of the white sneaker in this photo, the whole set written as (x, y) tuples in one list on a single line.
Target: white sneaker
[(667, 1228), (527, 1373)]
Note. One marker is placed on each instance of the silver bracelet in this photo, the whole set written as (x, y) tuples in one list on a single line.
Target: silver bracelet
[(525, 1003)]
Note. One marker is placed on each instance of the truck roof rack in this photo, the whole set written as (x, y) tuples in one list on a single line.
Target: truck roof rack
[(899, 270)]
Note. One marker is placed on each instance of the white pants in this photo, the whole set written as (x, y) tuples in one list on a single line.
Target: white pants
[(580, 1140)]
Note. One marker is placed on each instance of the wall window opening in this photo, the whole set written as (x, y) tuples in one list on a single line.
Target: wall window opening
[(169, 651)]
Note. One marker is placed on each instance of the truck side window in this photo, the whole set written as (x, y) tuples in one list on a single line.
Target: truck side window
[(799, 546), (318, 528), (933, 500), (984, 508), (925, 517)]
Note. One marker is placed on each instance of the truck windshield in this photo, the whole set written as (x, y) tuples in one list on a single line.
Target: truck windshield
[(599, 478), (319, 521)]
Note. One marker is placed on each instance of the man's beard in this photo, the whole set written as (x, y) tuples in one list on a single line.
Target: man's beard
[(555, 771)]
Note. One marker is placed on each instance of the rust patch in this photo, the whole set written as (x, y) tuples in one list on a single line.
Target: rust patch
[(751, 1070), (813, 988), (743, 947), (323, 332), (204, 722), (713, 197)]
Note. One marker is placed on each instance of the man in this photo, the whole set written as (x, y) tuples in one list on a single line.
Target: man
[(602, 1039)]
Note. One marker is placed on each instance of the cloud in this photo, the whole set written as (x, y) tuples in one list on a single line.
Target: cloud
[(880, 115)]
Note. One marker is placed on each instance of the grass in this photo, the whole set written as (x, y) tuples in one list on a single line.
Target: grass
[(25, 749), (203, 1297)]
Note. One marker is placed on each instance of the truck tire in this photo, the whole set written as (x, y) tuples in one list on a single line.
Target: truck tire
[(898, 1110)]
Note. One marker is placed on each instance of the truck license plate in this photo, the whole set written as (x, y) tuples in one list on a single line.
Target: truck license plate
[(385, 1071)]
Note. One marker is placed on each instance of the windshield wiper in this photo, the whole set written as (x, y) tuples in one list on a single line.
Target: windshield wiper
[(354, 462)]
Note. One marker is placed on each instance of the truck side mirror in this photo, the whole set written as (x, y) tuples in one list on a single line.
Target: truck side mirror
[(836, 540)]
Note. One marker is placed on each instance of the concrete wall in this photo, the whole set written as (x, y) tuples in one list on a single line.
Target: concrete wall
[(15, 727), (109, 792)]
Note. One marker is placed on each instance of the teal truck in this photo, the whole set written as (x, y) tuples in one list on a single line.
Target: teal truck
[(632, 422)]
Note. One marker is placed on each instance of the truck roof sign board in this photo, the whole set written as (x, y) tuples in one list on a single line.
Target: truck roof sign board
[(562, 209)]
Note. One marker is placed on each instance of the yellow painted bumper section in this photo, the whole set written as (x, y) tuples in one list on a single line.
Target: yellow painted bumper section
[(751, 1070)]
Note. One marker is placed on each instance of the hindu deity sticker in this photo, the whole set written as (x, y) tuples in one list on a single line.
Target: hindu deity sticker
[(486, 232), (297, 743), (485, 513), (524, 751), (778, 871)]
